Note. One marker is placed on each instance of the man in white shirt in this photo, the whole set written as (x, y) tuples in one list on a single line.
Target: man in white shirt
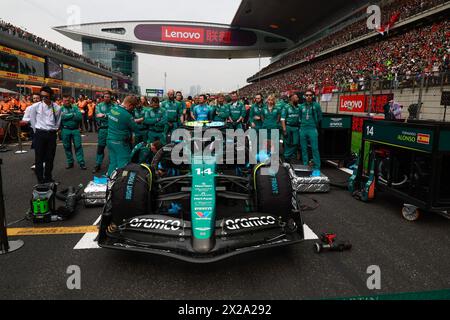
[(45, 119)]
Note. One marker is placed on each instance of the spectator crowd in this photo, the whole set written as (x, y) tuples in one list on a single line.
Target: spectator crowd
[(401, 60), (405, 9), (25, 35)]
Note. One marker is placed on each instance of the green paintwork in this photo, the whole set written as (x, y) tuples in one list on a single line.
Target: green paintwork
[(203, 197)]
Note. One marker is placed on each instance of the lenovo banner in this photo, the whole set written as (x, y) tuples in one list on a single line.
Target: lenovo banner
[(182, 34), (356, 103), (361, 103), (195, 35)]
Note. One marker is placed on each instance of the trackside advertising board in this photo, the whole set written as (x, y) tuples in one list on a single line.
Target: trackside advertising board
[(355, 103), (360, 103), (409, 137)]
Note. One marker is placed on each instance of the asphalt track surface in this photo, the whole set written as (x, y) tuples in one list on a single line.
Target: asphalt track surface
[(413, 257)]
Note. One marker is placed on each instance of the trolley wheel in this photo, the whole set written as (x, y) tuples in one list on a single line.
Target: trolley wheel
[(317, 248), (411, 213)]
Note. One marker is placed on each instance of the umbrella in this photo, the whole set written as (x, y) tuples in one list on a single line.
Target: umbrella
[(3, 90)]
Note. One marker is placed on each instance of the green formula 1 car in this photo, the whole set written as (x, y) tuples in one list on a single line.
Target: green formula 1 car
[(200, 212)]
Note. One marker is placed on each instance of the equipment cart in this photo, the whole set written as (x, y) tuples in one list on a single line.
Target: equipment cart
[(408, 160), (335, 137)]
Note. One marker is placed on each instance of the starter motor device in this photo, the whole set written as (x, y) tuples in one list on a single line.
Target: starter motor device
[(43, 203), (329, 243)]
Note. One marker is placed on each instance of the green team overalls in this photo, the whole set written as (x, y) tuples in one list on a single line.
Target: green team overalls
[(291, 115), (174, 111), (156, 121), (71, 118), (182, 106), (281, 104), (102, 108), (142, 153), (271, 120), (139, 113), (121, 127), (221, 113), (256, 111), (237, 110), (310, 118)]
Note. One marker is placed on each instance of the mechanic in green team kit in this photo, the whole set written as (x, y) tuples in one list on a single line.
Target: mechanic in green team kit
[(101, 116), (221, 111), (71, 119), (290, 125), (138, 114), (271, 116), (237, 112), (121, 127), (181, 103), (174, 111), (255, 119), (155, 119), (310, 118)]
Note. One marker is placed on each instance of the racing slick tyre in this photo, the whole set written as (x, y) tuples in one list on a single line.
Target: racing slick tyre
[(274, 194)]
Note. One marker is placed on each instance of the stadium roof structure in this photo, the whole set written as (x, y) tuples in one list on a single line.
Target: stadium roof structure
[(182, 39), (292, 19), (259, 29)]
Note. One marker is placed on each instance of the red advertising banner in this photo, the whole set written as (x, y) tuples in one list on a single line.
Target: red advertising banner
[(182, 34), (358, 122), (378, 102), (195, 35), (357, 125), (354, 103), (361, 103)]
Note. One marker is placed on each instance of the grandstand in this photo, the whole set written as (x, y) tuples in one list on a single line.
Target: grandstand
[(417, 46), (28, 62)]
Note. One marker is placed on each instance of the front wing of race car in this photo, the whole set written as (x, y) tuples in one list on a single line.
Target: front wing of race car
[(205, 237), (175, 238)]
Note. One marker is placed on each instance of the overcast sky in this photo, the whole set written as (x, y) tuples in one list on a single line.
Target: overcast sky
[(39, 16)]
